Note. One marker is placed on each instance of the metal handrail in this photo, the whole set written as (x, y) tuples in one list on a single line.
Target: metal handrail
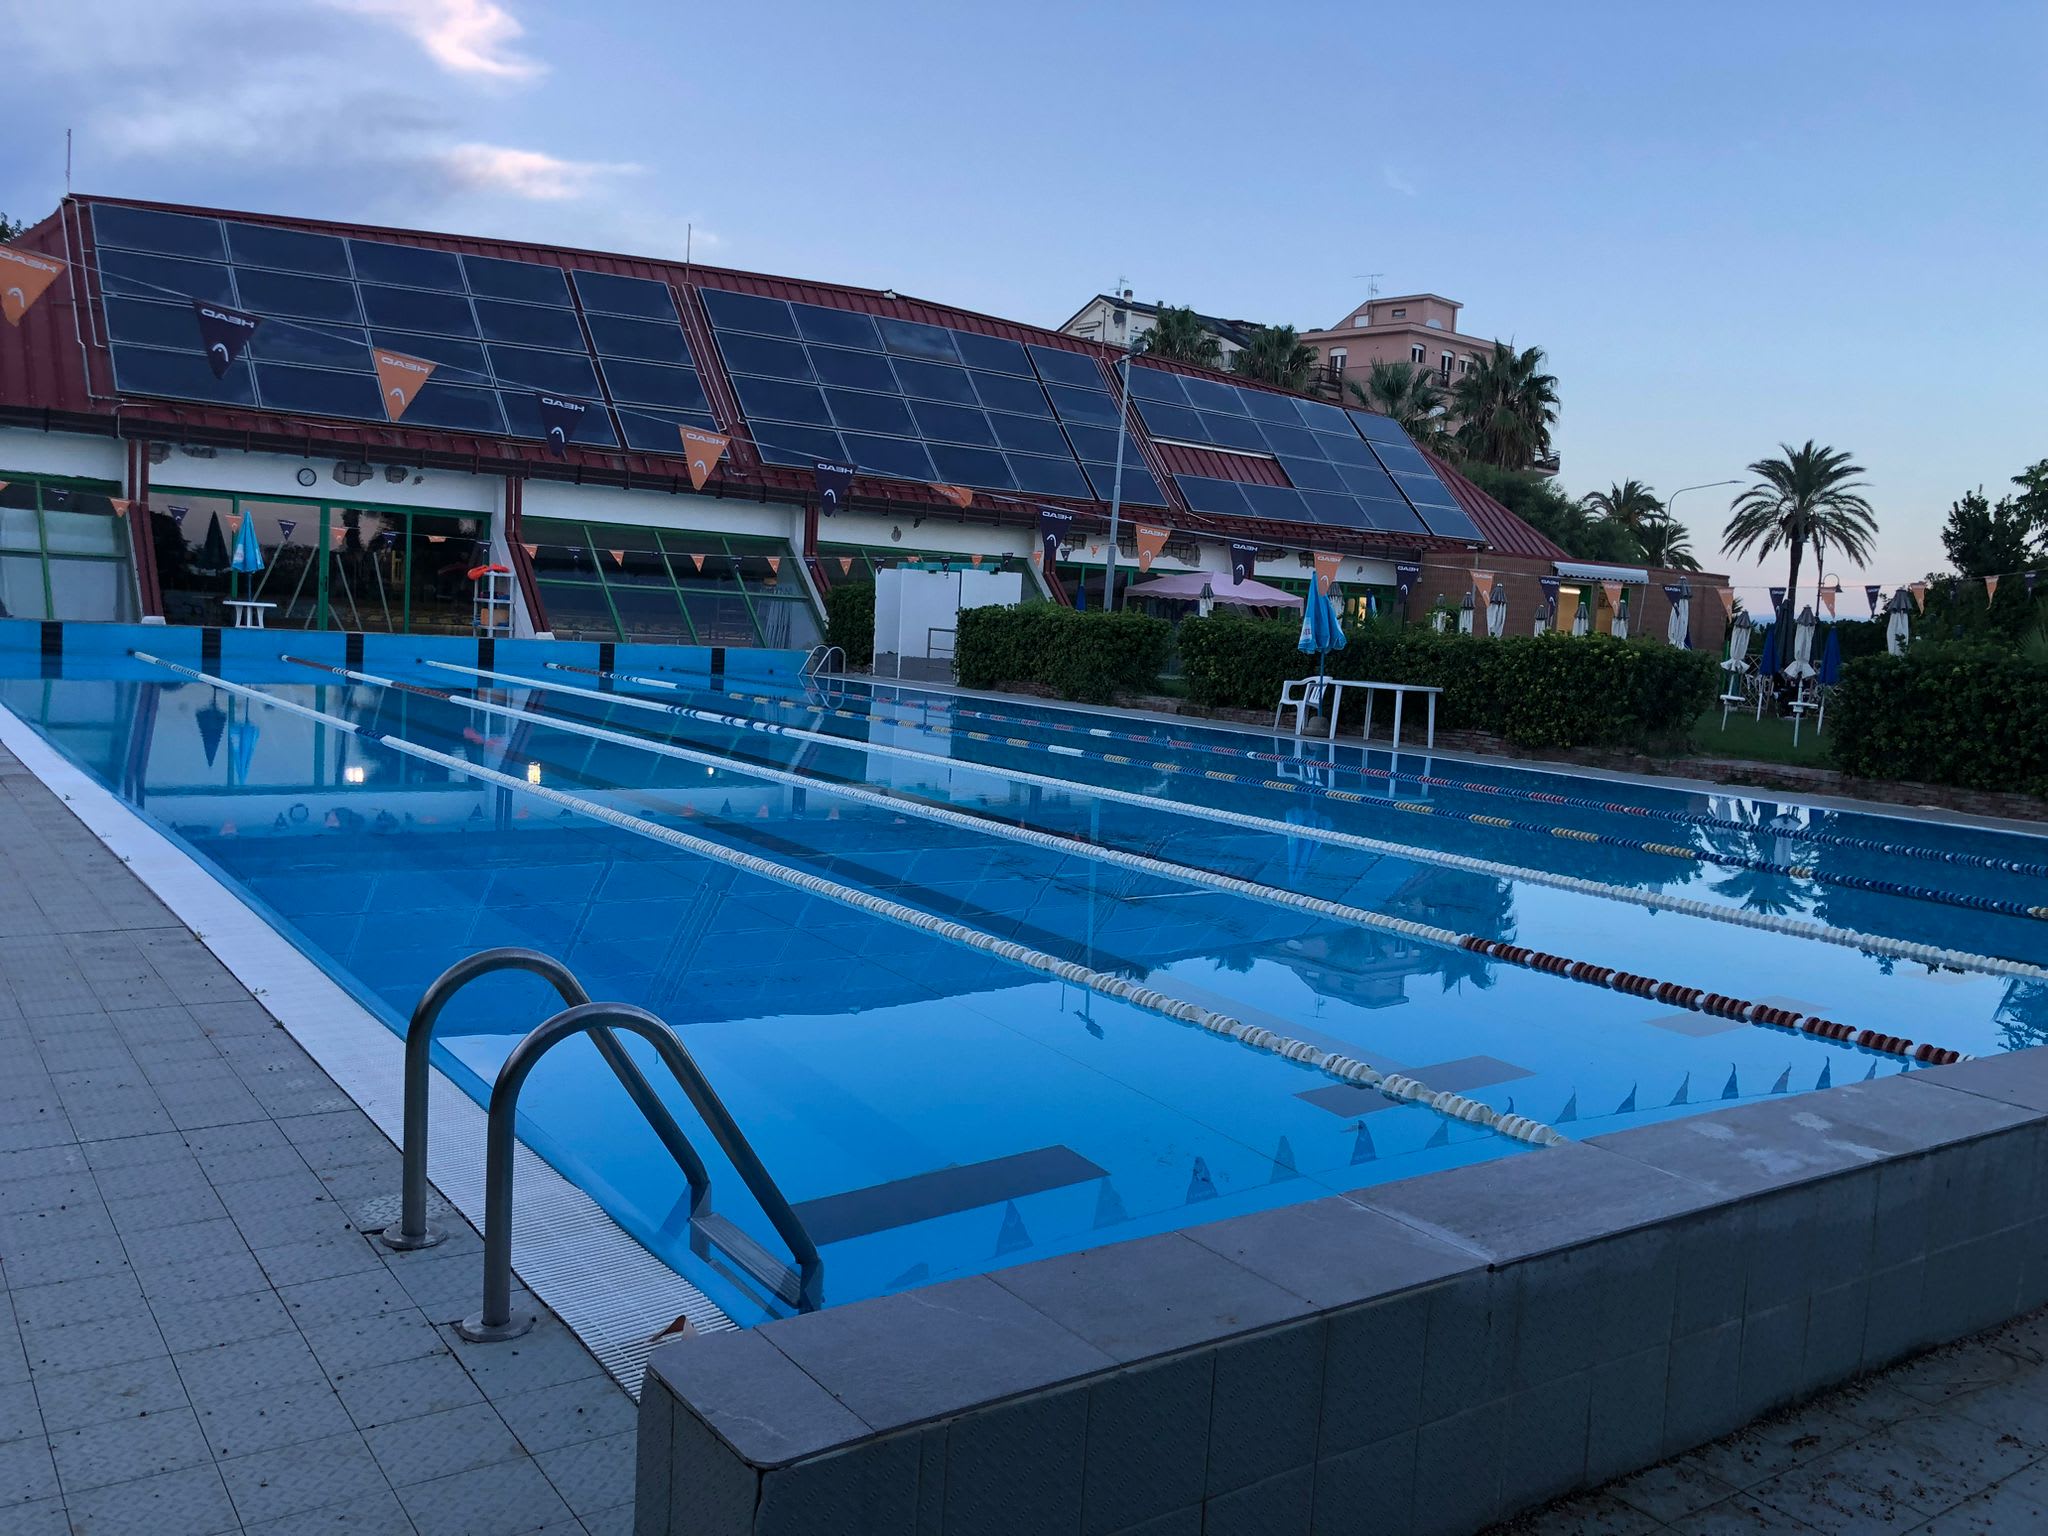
[(414, 1230), (496, 1321), (819, 659)]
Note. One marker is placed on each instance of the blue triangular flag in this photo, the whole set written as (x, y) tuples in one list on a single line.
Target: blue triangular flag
[(1729, 1090), (1628, 1105), (1200, 1185), (1827, 1075), (1871, 1073), (1442, 1138), (917, 1274), (1784, 1081)]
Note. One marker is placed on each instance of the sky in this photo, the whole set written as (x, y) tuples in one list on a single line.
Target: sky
[(1730, 226)]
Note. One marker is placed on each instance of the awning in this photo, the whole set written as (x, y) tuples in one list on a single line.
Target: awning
[(1633, 575)]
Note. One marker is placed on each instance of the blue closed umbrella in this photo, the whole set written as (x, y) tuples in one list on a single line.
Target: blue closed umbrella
[(248, 553), (1831, 659), (1768, 667)]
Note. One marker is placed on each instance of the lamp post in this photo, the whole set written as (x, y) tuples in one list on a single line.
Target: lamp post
[(1116, 488), (1704, 485)]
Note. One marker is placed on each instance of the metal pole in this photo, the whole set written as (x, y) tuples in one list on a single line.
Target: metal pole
[(1116, 489)]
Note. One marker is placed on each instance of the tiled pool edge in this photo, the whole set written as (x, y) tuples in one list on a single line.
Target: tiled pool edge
[(1429, 1355), (611, 1292)]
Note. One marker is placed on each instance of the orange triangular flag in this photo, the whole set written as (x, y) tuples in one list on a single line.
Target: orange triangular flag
[(1482, 583), (23, 277), (698, 562), (532, 551), (1326, 570), (3, 485), (119, 504), (618, 557), (977, 559), (234, 522), (959, 495), (1919, 591), (845, 561), (703, 450), (1150, 541), (1990, 588), (399, 378), (1827, 597), (775, 565), (437, 538)]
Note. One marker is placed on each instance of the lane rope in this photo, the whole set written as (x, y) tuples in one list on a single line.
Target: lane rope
[(1693, 998), (906, 713), (1997, 905), (1395, 1085), (1656, 901)]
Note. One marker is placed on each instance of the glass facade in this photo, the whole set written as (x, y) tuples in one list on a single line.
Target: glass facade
[(859, 562), (326, 565), (614, 581), (64, 550)]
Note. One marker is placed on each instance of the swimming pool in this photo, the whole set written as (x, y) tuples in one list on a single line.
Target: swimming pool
[(957, 966)]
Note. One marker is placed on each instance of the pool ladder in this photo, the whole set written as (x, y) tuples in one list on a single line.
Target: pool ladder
[(823, 659), (797, 1287)]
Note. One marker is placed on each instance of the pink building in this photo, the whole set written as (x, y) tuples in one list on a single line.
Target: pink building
[(1419, 328)]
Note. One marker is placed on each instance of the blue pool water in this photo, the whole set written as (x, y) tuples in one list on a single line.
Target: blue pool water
[(931, 1109)]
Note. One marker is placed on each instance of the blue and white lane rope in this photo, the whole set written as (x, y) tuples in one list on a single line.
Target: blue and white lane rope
[(1394, 1085), (1656, 901), (1695, 998), (1993, 904), (906, 714)]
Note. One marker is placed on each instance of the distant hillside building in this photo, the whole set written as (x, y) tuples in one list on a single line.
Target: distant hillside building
[(1419, 328), (1121, 321)]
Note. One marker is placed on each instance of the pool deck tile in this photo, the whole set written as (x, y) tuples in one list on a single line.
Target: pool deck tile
[(194, 1337)]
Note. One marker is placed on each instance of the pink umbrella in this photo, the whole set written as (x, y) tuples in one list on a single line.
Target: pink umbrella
[(1191, 586)]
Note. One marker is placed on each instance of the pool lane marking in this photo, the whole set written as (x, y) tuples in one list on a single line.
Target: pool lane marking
[(907, 715), (1454, 1106), (1906, 949), (1994, 904), (1061, 843)]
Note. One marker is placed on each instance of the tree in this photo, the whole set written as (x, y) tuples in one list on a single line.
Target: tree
[(1408, 394), (1537, 501), (1631, 504), (1989, 539), (9, 228), (1506, 407), (1667, 544), (1276, 354), (1810, 496), (1179, 335)]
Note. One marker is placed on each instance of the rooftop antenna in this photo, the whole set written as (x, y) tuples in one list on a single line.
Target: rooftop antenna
[(1372, 283), (67, 162)]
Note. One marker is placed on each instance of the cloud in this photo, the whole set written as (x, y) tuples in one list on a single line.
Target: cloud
[(524, 172), (464, 37), (1398, 183)]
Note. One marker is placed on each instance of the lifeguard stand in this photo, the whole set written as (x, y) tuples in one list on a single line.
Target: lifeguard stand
[(491, 611)]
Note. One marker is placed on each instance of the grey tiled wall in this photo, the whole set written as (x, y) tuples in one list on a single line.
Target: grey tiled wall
[(1425, 1356)]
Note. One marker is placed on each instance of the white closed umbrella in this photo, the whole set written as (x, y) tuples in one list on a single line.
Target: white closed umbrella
[(1679, 630), (1497, 611), (1898, 629), (1736, 666), (1584, 622), (1800, 668), (1620, 629), (1465, 615)]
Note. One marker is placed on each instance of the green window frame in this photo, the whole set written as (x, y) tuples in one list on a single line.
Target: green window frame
[(44, 498)]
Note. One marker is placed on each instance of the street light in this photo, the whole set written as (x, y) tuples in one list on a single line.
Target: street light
[(1116, 488), (1704, 485)]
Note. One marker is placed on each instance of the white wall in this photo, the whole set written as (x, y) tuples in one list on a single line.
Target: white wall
[(942, 534), (661, 509), (273, 474), (62, 453)]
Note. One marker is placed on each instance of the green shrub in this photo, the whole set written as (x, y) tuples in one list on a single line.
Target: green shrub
[(1535, 690), (1964, 714), (1091, 656), (850, 621)]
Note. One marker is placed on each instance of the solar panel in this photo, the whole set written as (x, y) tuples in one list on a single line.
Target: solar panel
[(1221, 498), (498, 329), (913, 401)]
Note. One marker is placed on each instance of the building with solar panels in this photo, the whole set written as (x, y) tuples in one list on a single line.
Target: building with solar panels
[(129, 459)]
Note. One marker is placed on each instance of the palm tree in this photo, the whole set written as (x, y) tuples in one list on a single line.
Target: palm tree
[(1277, 355), (1630, 504), (1178, 334), (1666, 544), (1408, 394), (1810, 496), (1506, 407)]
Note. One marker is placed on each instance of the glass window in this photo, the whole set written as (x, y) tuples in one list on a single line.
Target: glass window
[(289, 250), (530, 324), (775, 400), (185, 375), (910, 339), (934, 381), (898, 458), (859, 411), (168, 234), (409, 266), (765, 356), (159, 277), (652, 384), (992, 352), (288, 293), (578, 611), (837, 327), (527, 281), (21, 588), (748, 312), (616, 336), (19, 529), (854, 370), (328, 347), (84, 533), (412, 309), (153, 325), (319, 392), (1008, 392), (559, 373), (653, 612), (615, 295)]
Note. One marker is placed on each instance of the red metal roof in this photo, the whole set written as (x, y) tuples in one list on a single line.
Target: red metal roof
[(55, 373)]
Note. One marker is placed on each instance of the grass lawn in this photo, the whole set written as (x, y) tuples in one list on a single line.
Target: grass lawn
[(1762, 741)]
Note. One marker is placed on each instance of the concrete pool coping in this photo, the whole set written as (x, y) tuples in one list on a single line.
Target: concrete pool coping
[(610, 1291), (1428, 1355)]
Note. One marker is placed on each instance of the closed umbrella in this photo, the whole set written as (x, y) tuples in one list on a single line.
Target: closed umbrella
[(1766, 667), (248, 553), (1465, 615), (1831, 659), (1497, 611), (1678, 629), (1736, 666), (1801, 668), (1898, 628)]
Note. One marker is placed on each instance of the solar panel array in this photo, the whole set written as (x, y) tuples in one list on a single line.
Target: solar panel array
[(499, 330), (1345, 469), (1087, 410)]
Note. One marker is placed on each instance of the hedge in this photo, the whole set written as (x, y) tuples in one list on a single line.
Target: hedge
[(850, 621), (1971, 715), (1535, 690), (1092, 656)]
